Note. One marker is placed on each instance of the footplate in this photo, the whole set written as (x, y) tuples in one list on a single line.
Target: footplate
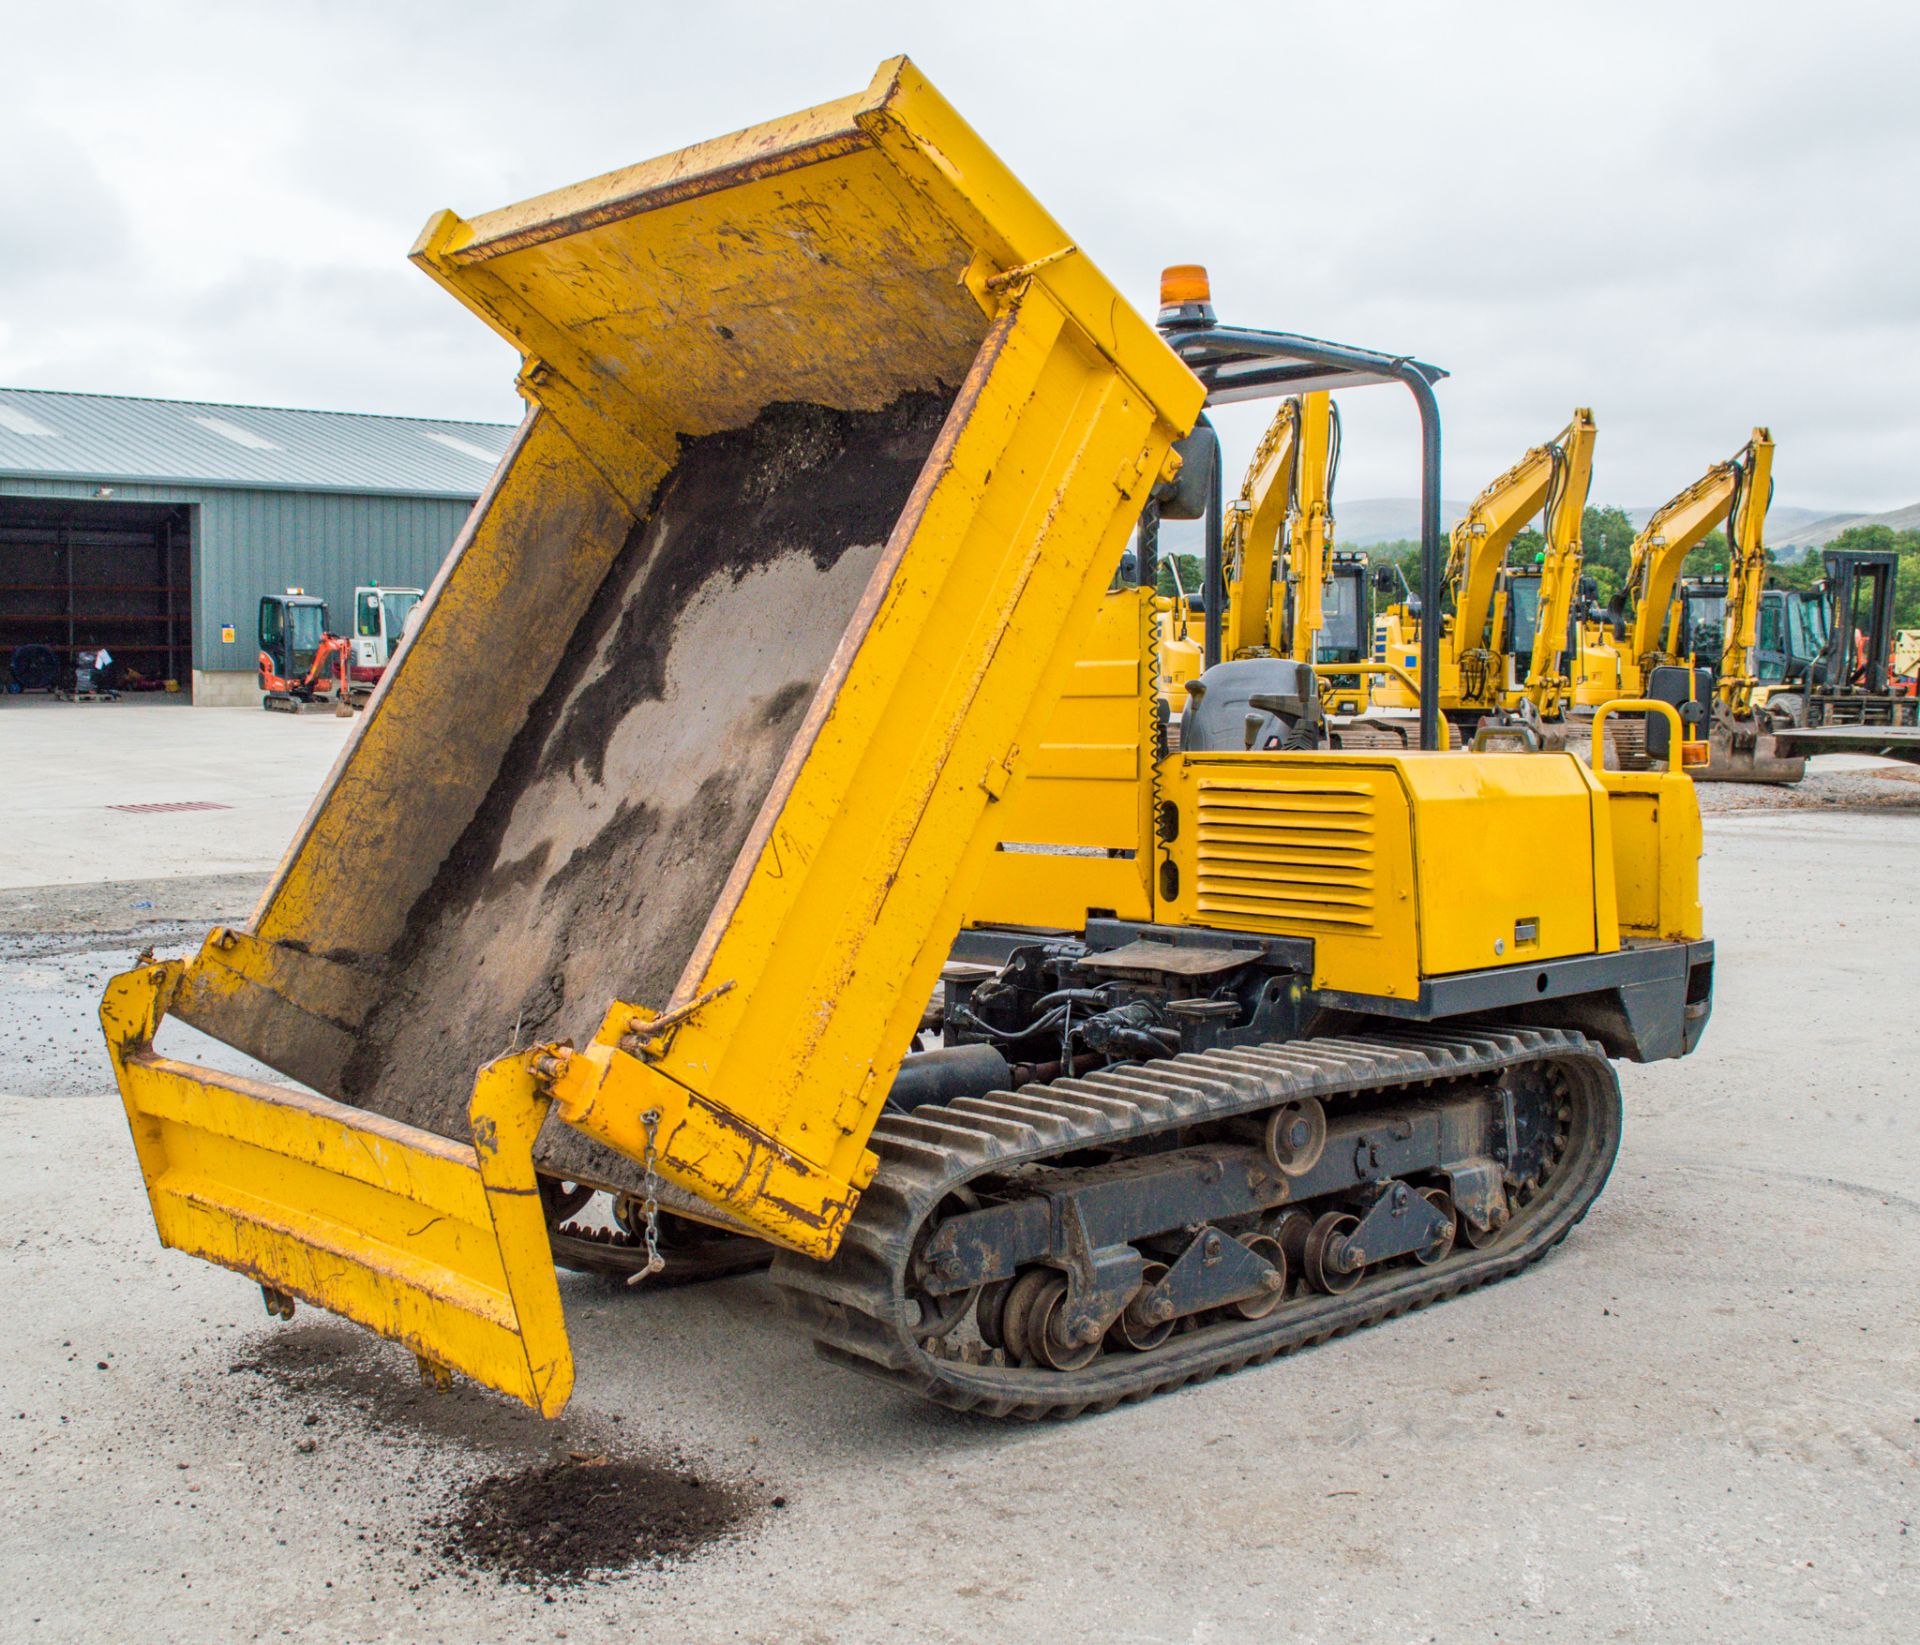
[(440, 1246)]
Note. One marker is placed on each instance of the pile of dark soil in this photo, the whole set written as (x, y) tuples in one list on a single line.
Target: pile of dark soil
[(565, 1521)]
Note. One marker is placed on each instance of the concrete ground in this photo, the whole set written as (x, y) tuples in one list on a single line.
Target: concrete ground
[(69, 765), (1699, 1420)]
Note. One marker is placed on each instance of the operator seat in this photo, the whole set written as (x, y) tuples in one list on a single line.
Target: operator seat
[(1262, 703)]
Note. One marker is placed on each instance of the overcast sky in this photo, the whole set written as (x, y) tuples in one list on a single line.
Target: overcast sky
[(1694, 217)]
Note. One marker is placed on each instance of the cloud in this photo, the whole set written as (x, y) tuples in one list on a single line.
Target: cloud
[(1694, 218)]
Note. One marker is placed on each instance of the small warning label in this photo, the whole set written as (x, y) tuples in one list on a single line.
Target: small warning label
[(226, 633)]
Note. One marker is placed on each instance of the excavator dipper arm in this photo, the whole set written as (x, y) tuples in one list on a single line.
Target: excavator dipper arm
[(1254, 526), (1481, 539), (1746, 573), (1560, 565)]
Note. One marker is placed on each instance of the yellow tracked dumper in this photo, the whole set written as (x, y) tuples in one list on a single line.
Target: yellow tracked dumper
[(780, 680)]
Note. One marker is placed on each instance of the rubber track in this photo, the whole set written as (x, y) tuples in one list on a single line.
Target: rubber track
[(856, 1304)]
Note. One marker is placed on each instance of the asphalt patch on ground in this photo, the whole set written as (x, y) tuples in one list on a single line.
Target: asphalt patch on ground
[(567, 1522)]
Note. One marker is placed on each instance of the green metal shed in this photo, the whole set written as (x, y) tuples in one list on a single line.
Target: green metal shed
[(153, 527)]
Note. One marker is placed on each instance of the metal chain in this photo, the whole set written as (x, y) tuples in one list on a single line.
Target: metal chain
[(649, 1203)]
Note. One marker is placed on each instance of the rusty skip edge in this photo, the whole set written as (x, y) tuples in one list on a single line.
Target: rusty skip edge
[(787, 143)]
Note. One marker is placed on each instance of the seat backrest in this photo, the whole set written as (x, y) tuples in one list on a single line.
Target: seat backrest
[(1219, 705)]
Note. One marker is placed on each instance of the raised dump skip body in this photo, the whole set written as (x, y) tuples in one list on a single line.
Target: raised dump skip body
[(690, 761), (595, 859)]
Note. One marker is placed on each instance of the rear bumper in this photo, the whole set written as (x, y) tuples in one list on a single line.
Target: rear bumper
[(437, 1245), (1644, 1003)]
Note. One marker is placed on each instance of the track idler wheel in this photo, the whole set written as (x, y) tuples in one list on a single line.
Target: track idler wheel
[(1268, 1250), (990, 1312), (1442, 1246), (1325, 1254), (1296, 1137), (1481, 1238)]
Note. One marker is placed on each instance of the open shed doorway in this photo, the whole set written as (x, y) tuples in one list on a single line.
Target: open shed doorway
[(81, 576)]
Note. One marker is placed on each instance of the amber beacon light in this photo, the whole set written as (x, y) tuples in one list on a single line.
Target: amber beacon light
[(1186, 295)]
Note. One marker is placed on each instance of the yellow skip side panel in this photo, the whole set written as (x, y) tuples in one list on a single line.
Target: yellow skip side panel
[(818, 972)]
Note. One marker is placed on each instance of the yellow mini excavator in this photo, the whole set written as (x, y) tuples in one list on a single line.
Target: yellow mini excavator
[(1289, 592), (1508, 635), (1695, 647), (793, 683)]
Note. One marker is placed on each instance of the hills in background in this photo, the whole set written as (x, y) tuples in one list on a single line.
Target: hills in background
[(1366, 521), (1818, 532)]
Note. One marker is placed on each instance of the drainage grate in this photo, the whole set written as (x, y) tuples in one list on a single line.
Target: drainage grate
[(175, 805)]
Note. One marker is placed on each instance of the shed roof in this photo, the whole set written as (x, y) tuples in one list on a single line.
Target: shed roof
[(47, 434)]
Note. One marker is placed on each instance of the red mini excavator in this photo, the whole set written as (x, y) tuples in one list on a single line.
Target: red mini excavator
[(302, 661)]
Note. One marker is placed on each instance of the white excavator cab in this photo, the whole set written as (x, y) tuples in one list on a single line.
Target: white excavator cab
[(382, 616)]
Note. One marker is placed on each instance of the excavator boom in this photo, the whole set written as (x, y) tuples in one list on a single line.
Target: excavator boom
[(1746, 574), (1673, 531), (1546, 682), (1310, 527), (1483, 535)]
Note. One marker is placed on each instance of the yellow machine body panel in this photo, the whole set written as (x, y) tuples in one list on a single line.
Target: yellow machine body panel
[(1398, 866), (651, 779), (1072, 831), (1654, 828)]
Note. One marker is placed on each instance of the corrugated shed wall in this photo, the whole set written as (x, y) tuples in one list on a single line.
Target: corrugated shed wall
[(248, 543)]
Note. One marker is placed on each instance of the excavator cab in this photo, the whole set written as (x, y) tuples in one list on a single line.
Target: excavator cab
[(1702, 618), (293, 627), (381, 619), (1347, 612), (1793, 633), (1521, 586), (302, 661)]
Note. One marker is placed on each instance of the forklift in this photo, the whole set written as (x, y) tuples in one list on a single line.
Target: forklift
[(1833, 652)]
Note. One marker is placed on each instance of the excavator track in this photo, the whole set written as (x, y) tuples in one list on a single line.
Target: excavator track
[(863, 1312)]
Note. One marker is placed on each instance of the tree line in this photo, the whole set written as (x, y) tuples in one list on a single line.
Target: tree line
[(1607, 537)]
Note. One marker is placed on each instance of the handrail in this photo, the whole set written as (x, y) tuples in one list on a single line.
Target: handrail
[(1635, 705), (1204, 347), (1392, 670)]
